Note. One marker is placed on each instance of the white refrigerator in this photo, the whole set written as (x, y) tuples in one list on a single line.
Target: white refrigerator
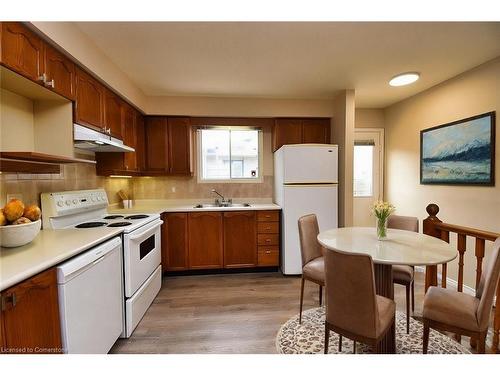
[(305, 182)]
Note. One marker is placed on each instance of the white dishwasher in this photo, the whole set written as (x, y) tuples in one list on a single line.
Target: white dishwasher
[(91, 299)]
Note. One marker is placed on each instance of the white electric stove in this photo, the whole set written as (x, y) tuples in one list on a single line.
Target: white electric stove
[(141, 238)]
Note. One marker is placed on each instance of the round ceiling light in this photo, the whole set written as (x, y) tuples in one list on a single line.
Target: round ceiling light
[(404, 79)]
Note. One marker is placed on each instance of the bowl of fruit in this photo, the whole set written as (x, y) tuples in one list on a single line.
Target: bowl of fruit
[(19, 224)]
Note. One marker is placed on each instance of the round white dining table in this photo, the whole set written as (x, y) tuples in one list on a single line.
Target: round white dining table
[(401, 247)]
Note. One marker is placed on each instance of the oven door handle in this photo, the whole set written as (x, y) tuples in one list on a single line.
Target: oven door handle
[(146, 230)]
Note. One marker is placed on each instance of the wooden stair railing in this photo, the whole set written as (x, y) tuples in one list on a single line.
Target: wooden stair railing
[(432, 226)]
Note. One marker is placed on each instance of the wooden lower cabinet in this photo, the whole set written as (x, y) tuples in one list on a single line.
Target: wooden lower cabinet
[(216, 240), (205, 240), (240, 239), (175, 242), (30, 316)]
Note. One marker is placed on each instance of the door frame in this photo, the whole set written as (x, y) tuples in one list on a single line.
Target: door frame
[(381, 133)]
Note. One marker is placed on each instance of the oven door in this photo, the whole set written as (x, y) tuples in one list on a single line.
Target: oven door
[(142, 255)]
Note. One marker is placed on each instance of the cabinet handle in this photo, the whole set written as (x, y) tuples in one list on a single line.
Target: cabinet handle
[(268, 228), (8, 299), (50, 84), (43, 78), (268, 240), (268, 252)]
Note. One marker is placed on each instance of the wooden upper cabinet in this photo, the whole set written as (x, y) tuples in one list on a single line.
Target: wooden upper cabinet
[(89, 105), (240, 239), (60, 72), (113, 113), (205, 240), (140, 144), (22, 50), (304, 130), (179, 146), (129, 131), (174, 239), (30, 316), (286, 132), (316, 131), (157, 144)]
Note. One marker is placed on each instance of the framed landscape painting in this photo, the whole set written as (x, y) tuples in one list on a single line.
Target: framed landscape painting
[(459, 153)]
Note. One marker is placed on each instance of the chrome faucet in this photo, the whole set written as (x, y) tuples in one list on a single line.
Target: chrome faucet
[(223, 202)]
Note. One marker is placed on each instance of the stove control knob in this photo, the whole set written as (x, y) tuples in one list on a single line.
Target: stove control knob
[(60, 203), (92, 198), (75, 201), (68, 202)]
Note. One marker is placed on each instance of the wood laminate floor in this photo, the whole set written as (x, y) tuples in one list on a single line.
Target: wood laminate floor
[(227, 313)]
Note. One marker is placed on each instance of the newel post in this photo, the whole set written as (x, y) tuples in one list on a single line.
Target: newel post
[(430, 229)]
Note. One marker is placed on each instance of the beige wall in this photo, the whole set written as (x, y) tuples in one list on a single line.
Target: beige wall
[(342, 132), (370, 118), (471, 93)]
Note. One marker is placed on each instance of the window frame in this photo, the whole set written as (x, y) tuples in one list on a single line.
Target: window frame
[(199, 158)]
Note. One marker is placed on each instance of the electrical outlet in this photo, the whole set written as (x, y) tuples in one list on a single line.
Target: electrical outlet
[(14, 196)]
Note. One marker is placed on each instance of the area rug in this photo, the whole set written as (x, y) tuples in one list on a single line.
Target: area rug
[(309, 337)]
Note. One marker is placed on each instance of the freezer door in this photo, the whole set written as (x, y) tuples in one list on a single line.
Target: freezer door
[(300, 200), (310, 164)]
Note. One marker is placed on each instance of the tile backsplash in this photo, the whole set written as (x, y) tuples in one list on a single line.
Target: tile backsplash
[(83, 176), (72, 177)]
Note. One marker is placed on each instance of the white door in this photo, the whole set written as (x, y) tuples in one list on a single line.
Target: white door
[(310, 164), (300, 200), (367, 174)]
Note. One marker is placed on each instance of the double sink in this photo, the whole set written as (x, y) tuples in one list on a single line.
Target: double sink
[(219, 205)]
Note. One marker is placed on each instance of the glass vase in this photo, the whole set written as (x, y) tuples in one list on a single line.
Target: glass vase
[(381, 229)]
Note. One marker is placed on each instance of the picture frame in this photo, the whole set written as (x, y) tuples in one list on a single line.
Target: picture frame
[(460, 152)]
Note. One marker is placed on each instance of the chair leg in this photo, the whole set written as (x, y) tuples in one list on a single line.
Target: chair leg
[(320, 295), (426, 337), (354, 347), (327, 337), (481, 343), (301, 299), (340, 343), (413, 296), (407, 309)]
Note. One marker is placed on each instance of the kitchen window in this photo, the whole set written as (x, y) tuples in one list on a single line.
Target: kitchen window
[(229, 154)]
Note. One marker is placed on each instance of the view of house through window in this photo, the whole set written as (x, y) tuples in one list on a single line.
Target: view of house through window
[(363, 170), (229, 154)]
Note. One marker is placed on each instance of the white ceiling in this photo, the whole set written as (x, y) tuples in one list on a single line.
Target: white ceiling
[(292, 60)]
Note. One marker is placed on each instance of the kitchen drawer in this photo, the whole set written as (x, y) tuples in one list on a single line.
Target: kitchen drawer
[(268, 215), (268, 256), (268, 239), (268, 227)]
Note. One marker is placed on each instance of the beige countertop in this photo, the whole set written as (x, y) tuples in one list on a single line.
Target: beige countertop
[(49, 248), (157, 206)]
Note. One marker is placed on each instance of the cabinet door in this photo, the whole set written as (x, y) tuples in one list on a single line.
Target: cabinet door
[(205, 240), (61, 71), (157, 145), (179, 146), (113, 113), (89, 105), (316, 131), (140, 145), (31, 314), (175, 242), (240, 239), (129, 132), (286, 132), (22, 50)]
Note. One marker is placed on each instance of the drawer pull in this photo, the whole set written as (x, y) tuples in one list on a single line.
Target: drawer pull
[(268, 216), (268, 228), (268, 240), (268, 252)]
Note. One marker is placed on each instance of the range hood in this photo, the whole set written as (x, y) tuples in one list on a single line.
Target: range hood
[(91, 140)]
